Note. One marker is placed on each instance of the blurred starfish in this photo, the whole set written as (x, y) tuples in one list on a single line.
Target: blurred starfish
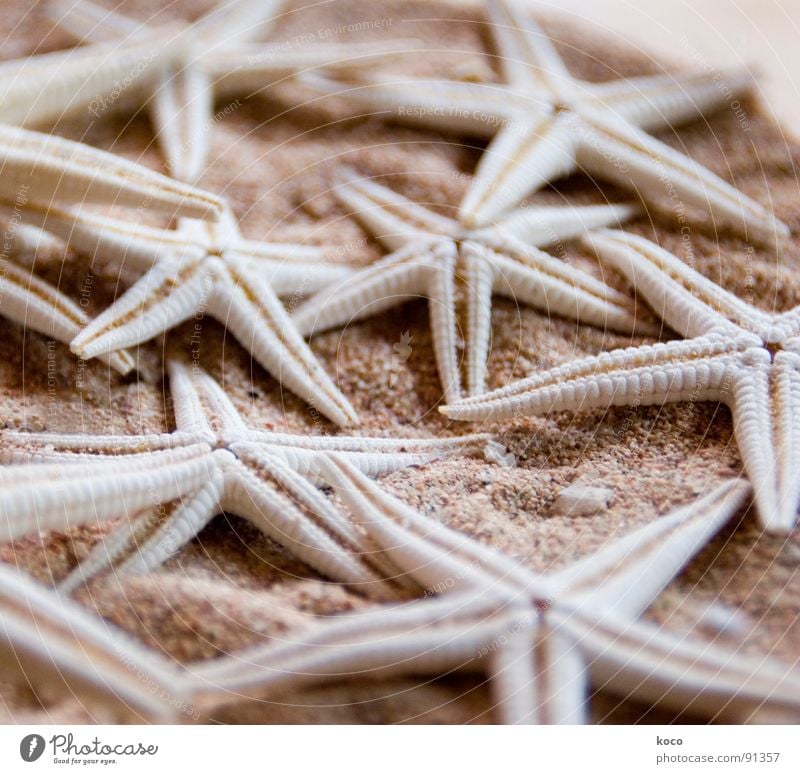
[(208, 268), (431, 250), (58, 649), (542, 638), (167, 487), (544, 124), (214, 56), (733, 353)]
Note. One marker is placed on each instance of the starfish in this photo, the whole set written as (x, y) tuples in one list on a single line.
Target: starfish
[(733, 353), (215, 55), (167, 487), (202, 268), (40, 171), (544, 123), (59, 650), (541, 637), (431, 250)]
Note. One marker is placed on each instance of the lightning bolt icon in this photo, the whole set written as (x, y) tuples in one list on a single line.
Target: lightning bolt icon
[(33, 745)]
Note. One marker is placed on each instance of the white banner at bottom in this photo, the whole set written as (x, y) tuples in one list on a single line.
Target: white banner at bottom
[(400, 749)]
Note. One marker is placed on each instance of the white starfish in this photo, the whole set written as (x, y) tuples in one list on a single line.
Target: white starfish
[(214, 56), (542, 638), (167, 487), (206, 268), (58, 649), (544, 123), (734, 353), (431, 251), (40, 171)]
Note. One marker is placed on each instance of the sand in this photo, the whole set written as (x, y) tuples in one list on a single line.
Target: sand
[(233, 587)]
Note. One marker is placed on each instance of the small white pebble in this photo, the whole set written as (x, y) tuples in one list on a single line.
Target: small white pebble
[(582, 500), (498, 454)]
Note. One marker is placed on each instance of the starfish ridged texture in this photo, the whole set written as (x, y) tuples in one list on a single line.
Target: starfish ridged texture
[(167, 487), (431, 251), (215, 56), (542, 637), (733, 353), (40, 171), (544, 124), (61, 651), (207, 268)]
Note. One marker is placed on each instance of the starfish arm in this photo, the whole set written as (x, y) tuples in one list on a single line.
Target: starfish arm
[(38, 306), (427, 637), (525, 154), (182, 114), (182, 525), (231, 24), (251, 69), (108, 239), (476, 109), (107, 552), (56, 496), (372, 624), (87, 21), (636, 658), (253, 494), (538, 677), (196, 397), (626, 576), (396, 278), (764, 401), (527, 55), (307, 496), (389, 217), (527, 275), (698, 369), (438, 558), (372, 456), (250, 309), (53, 170), (542, 226), (54, 645), (427, 270), (616, 151), (79, 82), (686, 300), (294, 278), (479, 276), (655, 102), (165, 296), (54, 447)]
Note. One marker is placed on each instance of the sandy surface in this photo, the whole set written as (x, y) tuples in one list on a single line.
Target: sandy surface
[(233, 587)]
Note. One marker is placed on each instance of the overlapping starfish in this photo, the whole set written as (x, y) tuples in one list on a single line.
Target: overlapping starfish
[(432, 251), (167, 487), (541, 638), (40, 171), (206, 268), (733, 353), (544, 123), (175, 70)]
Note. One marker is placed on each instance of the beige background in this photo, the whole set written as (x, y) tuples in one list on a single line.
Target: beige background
[(763, 34)]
